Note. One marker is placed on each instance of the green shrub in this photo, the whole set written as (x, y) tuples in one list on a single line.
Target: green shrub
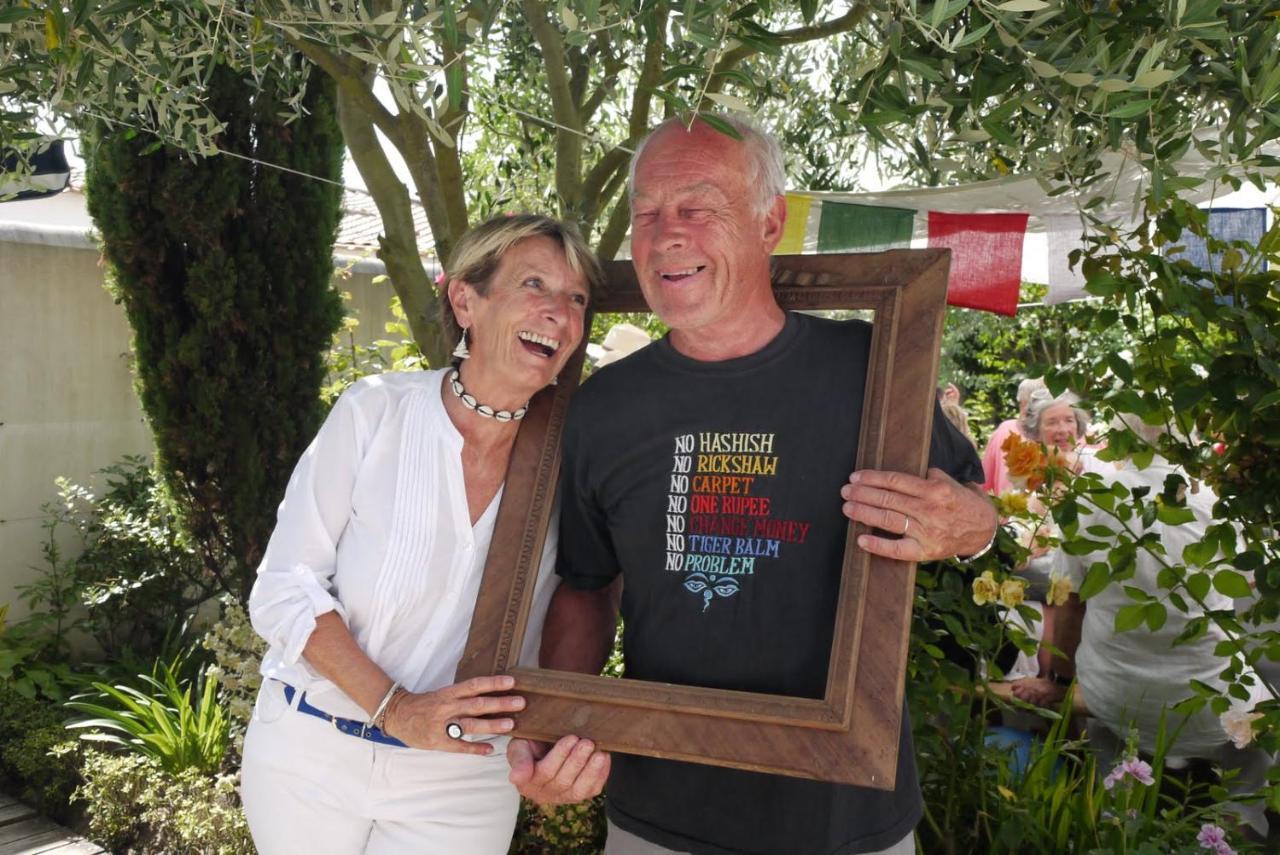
[(39, 762), (135, 575), (237, 654), (134, 804), (160, 719), (566, 830)]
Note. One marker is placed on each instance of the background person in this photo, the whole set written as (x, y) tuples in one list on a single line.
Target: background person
[(358, 742), (995, 476), (1133, 678)]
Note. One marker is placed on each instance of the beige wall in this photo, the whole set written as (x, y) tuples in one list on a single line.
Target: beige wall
[(67, 405)]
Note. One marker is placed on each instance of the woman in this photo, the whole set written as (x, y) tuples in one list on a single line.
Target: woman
[(358, 742), (1057, 422)]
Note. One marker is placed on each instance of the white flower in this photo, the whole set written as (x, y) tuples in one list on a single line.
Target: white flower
[(1239, 726)]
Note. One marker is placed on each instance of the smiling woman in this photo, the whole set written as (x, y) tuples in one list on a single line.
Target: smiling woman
[(370, 579)]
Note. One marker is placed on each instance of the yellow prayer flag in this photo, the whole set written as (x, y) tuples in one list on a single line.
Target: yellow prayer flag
[(797, 226)]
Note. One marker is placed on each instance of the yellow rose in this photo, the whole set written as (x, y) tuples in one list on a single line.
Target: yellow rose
[(985, 589), (1011, 504), (1060, 588), (1011, 591)]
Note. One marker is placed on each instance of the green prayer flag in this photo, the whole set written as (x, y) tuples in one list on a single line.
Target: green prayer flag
[(845, 227)]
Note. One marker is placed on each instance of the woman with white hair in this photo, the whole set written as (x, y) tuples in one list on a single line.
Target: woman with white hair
[(1057, 422)]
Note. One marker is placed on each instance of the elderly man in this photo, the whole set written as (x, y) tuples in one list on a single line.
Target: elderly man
[(773, 402), (995, 477), (1133, 679)]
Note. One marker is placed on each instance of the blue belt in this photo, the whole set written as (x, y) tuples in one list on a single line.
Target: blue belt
[(349, 726)]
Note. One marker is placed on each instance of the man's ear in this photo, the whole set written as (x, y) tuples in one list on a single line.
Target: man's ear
[(774, 221), (459, 295)]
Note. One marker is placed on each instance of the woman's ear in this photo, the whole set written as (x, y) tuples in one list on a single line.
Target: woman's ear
[(460, 295)]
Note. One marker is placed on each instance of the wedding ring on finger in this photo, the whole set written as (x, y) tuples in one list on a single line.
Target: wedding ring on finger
[(906, 524), (453, 730)]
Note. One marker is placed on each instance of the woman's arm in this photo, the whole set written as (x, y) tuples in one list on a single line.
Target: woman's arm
[(416, 719)]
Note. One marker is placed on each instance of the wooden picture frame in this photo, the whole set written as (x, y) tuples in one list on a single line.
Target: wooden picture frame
[(851, 735)]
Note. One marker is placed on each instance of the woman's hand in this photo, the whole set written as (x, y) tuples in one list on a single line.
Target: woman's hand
[(421, 720)]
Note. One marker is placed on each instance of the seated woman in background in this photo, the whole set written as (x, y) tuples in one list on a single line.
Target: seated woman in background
[(360, 741)]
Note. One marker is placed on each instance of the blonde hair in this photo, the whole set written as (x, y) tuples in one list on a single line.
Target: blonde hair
[(476, 257), (959, 417)]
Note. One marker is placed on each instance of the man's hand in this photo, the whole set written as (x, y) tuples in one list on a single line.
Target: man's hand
[(937, 516), (1039, 691), (570, 771)]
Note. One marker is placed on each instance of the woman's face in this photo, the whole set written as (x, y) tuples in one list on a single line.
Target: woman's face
[(1058, 426), (530, 321)]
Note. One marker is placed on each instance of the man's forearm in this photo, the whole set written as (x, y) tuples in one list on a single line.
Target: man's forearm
[(1066, 626), (578, 633)]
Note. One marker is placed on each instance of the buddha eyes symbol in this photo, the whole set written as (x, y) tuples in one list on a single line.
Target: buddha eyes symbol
[(697, 583)]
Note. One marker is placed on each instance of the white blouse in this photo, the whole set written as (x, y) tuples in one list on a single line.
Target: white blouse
[(374, 525)]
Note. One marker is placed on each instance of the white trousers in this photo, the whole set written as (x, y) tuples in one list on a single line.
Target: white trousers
[(308, 788)]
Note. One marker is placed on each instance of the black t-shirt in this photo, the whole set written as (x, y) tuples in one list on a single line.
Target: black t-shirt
[(714, 487)]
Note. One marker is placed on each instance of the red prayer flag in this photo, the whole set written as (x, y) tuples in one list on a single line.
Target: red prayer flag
[(986, 258)]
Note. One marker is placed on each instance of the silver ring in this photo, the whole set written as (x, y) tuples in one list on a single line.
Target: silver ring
[(906, 524), (453, 730)]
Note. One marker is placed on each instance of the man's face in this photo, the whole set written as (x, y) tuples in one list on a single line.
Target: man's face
[(700, 248)]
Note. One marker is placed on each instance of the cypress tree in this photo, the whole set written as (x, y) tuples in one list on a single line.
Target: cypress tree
[(224, 268)]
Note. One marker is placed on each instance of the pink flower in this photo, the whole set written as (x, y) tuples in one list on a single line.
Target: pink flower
[(1214, 838), (442, 278), (1130, 767)]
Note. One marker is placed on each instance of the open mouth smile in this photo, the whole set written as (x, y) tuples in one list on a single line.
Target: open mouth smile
[(681, 275), (539, 345)]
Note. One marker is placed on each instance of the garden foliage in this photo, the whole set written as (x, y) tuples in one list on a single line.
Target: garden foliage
[(223, 267)]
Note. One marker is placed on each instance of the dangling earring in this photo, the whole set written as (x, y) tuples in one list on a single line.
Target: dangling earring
[(461, 352)]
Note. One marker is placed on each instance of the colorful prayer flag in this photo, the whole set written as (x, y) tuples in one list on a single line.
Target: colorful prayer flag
[(986, 258)]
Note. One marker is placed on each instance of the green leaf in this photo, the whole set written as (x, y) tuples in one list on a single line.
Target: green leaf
[(1131, 109), (1019, 6), (16, 13), (719, 124), (1155, 614), (1043, 68), (1229, 583), (1155, 77), (1268, 400), (1199, 553), (1173, 514), (1130, 617), (1095, 580), (1198, 585)]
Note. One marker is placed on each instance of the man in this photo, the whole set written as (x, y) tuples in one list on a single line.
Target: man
[(1133, 679), (995, 477), (748, 418)]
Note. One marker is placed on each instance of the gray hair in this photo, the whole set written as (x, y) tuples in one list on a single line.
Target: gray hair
[(769, 174), (1041, 400), (477, 255), (1027, 387)]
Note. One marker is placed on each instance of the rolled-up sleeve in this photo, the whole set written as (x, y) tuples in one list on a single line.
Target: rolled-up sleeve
[(295, 579)]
